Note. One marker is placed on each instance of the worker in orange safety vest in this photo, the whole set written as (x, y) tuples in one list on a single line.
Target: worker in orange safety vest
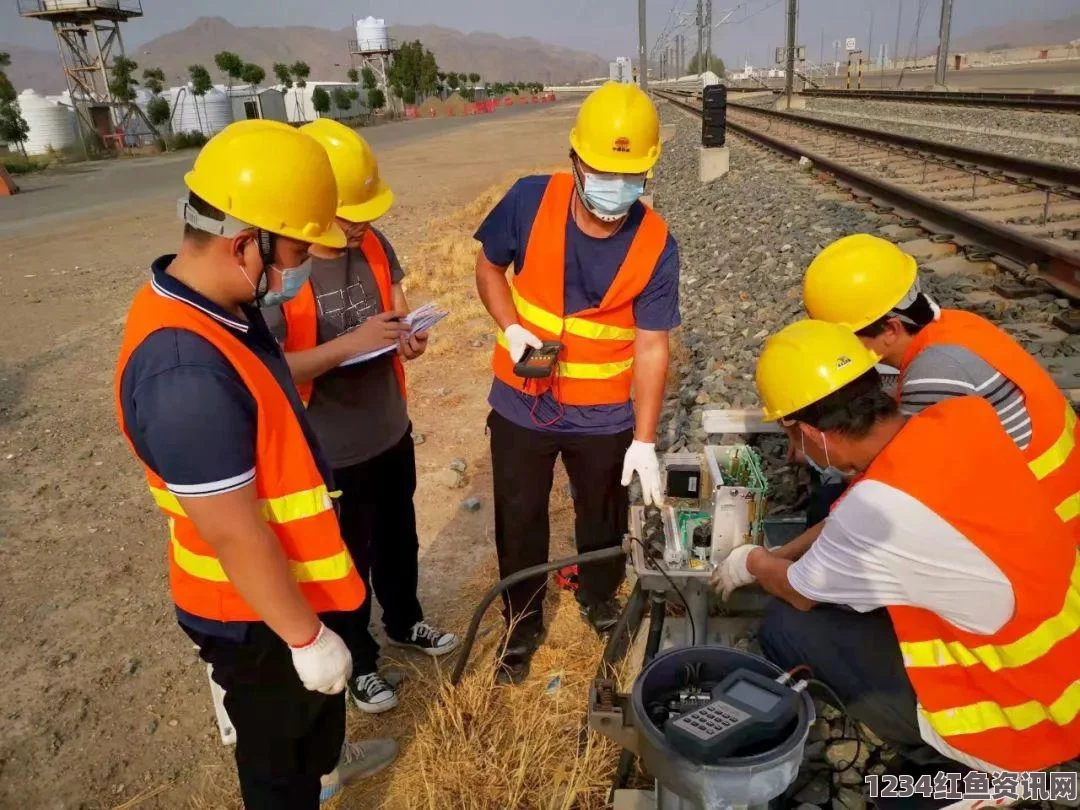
[(205, 399), (871, 286), (597, 273), (353, 304), (945, 590)]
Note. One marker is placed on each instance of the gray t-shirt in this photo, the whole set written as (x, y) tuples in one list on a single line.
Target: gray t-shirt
[(943, 371), (358, 412)]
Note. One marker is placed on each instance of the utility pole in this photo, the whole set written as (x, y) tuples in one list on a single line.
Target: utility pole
[(643, 48), (896, 42), (943, 42), (708, 35), (789, 65), (700, 32)]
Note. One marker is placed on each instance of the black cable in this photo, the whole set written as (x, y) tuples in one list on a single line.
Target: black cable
[(843, 710), (514, 579), (650, 561)]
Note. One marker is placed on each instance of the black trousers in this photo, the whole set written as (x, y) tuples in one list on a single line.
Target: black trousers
[(286, 736), (523, 464), (378, 524), (858, 655)]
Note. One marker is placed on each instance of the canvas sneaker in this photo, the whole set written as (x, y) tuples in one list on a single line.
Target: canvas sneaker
[(372, 694), (428, 640)]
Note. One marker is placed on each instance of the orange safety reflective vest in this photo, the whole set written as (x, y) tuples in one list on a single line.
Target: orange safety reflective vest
[(302, 314), (291, 490), (1011, 698), (1052, 455), (596, 367)]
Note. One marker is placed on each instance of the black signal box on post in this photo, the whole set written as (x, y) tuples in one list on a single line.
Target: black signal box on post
[(714, 115)]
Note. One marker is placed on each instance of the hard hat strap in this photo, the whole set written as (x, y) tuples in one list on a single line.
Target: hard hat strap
[(266, 246), (227, 227)]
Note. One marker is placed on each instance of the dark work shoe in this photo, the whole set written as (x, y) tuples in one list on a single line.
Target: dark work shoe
[(602, 615)]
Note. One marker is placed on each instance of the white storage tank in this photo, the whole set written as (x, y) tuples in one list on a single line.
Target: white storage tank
[(372, 35), (52, 125), (207, 114)]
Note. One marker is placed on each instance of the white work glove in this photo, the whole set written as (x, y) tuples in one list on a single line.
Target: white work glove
[(325, 664), (732, 573), (519, 337), (641, 459)]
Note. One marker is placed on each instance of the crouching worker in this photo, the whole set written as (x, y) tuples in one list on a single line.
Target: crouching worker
[(941, 598), (353, 304), (205, 399)]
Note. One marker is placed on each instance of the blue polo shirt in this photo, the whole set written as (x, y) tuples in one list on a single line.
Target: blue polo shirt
[(590, 267), (192, 419)]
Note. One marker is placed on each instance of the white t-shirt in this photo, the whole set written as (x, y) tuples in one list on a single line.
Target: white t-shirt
[(882, 547)]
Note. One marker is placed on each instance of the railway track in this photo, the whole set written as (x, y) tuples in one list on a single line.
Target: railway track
[(1022, 215), (1046, 102)]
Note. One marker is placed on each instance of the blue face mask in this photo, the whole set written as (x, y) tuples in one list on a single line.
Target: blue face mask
[(826, 472), (610, 197), (292, 281)]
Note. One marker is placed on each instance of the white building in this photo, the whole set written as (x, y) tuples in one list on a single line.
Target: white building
[(299, 107), (621, 70), (258, 102)]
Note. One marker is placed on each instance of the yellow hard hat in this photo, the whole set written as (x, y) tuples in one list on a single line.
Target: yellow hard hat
[(617, 130), (362, 194), (805, 362), (270, 176), (858, 279)]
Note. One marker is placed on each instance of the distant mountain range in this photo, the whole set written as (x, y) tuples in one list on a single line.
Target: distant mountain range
[(1020, 34), (494, 57)]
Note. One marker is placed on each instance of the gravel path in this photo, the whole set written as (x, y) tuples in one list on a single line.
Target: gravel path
[(1005, 131), (745, 243)]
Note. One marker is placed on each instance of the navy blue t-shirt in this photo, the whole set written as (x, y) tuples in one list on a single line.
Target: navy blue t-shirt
[(591, 266), (192, 419)]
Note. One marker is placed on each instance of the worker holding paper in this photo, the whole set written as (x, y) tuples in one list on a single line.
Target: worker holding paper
[(332, 332)]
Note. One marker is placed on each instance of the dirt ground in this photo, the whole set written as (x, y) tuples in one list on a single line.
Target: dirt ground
[(103, 703)]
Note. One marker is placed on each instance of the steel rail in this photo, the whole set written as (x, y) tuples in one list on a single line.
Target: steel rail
[(1046, 102), (1059, 267)]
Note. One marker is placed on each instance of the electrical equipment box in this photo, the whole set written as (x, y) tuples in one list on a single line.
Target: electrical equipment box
[(738, 497)]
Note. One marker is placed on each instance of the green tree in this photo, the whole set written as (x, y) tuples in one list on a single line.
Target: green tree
[(157, 110), (415, 70), (13, 127), (154, 80), (122, 81), (284, 75), (252, 74), (320, 100), (474, 78), (442, 76), (453, 80), (231, 65), (201, 84), (376, 99), (353, 75), (716, 65), (341, 99), (368, 77), (300, 72)]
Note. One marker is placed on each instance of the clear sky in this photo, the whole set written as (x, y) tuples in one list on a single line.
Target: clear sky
[(605, 27)]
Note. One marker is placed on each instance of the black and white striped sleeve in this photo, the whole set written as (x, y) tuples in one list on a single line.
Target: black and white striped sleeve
[(941, 372)]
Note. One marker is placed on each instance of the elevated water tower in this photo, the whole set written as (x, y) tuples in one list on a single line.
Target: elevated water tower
[(373, 49), (88, 38)]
